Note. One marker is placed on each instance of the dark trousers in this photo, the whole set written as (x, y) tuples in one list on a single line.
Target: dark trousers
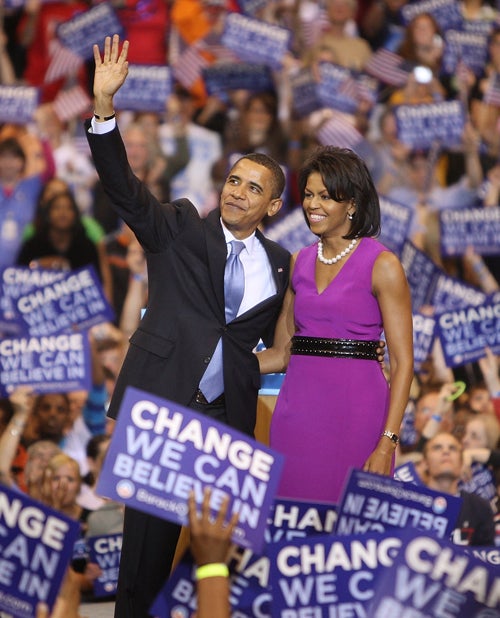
[(148, 550)]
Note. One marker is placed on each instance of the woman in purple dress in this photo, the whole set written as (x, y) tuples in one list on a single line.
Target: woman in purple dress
[(335, 410)]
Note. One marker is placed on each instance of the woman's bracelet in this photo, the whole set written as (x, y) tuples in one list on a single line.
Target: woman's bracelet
[(215, 569)]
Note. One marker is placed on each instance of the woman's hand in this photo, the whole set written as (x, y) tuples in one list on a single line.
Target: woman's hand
[(380, 461)]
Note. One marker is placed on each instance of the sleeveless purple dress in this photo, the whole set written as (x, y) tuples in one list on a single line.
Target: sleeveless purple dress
[(330, 412)]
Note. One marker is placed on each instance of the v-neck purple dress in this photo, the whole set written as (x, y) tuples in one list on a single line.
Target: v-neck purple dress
[(330, 412)]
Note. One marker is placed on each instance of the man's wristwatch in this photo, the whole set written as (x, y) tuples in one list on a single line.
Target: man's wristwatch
[(393, 437)]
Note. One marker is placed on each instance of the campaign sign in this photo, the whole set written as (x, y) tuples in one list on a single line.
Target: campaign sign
[(254, 40), (491, 555), (445, 12), (90, 27), (422, 125), (106, 552), (75, 301), (371, 502), (469, 47), (432, 578), (250, 594), (475, 227), (421, 273), (290, 519), (305, 98), (251, 7), (407, 473), (219, 78), (424, 327), (14, 282), (465, 332), (337, 87), (395, 224), (49, 364), (329, 576), (291, 232), (449, 293), (18, 103), (161, 451), (36, 545), (481, 483), (146, 88)]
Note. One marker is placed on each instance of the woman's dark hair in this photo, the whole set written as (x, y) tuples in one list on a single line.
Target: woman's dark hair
[(42, 223), (11, 146), (346, 179)]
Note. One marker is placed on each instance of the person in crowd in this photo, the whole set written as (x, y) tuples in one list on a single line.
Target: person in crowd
[(72, 165), (178, 336), (155, 169), (37, 34), (60, 242), (210, 545), (443, 466), (195, 181), (345, 289), (346, 48), (18, 195)]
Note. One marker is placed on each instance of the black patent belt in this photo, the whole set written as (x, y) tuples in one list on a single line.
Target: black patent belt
[(341, 348), (201, 399)]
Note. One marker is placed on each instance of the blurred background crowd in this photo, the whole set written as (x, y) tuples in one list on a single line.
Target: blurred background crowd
[(54, 214)]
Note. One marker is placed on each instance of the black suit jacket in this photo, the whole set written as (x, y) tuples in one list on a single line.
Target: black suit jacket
[(184, 319)]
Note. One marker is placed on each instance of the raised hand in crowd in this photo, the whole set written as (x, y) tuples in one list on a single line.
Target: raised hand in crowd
[(210, 545)]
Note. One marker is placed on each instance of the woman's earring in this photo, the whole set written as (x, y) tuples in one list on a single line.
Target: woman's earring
[(350, 216)]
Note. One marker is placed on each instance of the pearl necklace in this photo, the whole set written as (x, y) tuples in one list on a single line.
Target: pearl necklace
[(339, 256)]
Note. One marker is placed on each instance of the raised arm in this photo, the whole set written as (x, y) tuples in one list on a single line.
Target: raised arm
[(110, 73)]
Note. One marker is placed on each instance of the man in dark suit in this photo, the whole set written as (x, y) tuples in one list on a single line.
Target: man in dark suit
[(185, 316)]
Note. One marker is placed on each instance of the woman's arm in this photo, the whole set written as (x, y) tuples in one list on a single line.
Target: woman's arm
[(393, 295), (22, 401), (275, 358)]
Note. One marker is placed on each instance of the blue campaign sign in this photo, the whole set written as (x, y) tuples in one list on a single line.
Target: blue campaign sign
[(469, 47), (52, 364), (337, 88), (481, 482), (90, 27), (292, 232), (220, 78), (305, 97), (254, 40), (423, 339), (14, 282), (421, 273), (36, 545), (18, 103), (105, 551), (423, 125), (74, 301), (446, 12), (470, 227), (146, 88), (464, 333), (291, 519), (161, 451), (424, 332), (250, 593), (371, 502), (395, 224), (329, 576), (449, 293), (491, 555), (432, 578), (407, 473)]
